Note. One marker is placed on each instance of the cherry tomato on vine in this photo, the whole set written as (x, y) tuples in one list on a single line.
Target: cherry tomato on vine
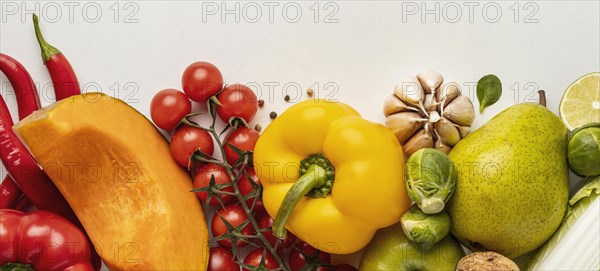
[(298, 261), (234, 215), (237, 101), (246, 187), (188, 139), (201, 80), (202, 179), (255, 258), (242, 138), (168, 107), (222, 259), (344, 267), (266, 221)]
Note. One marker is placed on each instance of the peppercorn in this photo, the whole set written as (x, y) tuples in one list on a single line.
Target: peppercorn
[(261, 103), (257, 127), (273, 115), (310, 92), (287, 98)]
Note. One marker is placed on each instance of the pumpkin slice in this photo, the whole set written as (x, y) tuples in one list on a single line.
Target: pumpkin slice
[(116, 171)]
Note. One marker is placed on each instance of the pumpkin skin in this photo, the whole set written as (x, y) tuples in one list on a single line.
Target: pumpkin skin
[(116, 171)]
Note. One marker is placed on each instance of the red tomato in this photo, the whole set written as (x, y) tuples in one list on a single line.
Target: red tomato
[(242, 138), (255, 257), (202, 179), (201, 80), (246, 187), (188, 139), (344, 267), (297, 261), (222, 259), (237, 101), (266, 221), (234, 215), (168, 107)]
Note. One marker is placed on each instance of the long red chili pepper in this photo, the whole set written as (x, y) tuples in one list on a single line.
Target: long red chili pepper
[(62, 74), (27, 101), (43, 240)]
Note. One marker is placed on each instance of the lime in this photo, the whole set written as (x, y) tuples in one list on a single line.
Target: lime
[(580, 103)]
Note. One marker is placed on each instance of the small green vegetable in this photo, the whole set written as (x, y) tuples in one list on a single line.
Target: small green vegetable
[(584, 150), (430, 179), (425, 230), (16, 267), (489, 90)]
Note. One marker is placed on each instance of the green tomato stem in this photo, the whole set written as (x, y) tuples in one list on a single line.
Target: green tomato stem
[(47, 49), (315, 176)]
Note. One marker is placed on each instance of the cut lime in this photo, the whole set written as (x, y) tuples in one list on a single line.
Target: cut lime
[(580, 103)]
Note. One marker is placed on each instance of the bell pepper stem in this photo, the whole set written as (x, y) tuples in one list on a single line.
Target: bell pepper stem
[(47, 49), (315, 176)]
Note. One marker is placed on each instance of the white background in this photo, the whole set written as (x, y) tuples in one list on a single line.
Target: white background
[(358, 49)]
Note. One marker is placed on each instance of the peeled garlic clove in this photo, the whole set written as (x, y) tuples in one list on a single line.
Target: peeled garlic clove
[(394, 105), (464, 131), (410, 91), (439, 145), (430, 103), (447, 132), (404, 124), (447, 93), (430, 80), (460, 111), (422, 139)]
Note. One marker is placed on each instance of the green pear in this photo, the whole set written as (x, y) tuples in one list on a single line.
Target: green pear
[(513, 187), (390, 249)]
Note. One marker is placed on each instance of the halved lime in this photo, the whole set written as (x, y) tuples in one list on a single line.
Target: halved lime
[(580, 103)]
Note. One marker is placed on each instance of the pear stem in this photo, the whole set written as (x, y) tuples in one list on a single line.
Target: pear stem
[(542, 95)]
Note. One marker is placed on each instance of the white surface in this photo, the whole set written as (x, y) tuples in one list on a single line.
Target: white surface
[(359, 55)]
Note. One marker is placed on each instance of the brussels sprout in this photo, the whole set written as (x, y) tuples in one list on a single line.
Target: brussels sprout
[(584, 150), (425, 230), (430, 179)]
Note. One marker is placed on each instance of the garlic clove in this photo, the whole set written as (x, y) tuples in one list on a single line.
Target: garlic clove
[(430, 103), (422, 139), (434, 116), (460, 111), (410, 92), (439, 145), (464, 131), (447, 132), (404, 124), (447, 93), (393, 105), (430, 80)]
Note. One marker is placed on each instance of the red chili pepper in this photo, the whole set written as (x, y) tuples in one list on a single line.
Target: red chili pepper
[(28, 101), (43, 240), (62, 74)]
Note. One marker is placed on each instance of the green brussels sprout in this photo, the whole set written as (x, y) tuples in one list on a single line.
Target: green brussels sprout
[(430, 179), (584, 150), (425, 230)]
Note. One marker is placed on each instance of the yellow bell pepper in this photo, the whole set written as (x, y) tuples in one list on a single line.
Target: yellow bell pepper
[(329, 176)]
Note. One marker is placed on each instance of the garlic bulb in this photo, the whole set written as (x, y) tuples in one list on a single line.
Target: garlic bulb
[(425, 112)]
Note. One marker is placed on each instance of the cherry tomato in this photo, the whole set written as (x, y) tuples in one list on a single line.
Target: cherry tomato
[(242, 138), (222, 259), (202, 179), (344, 267), (298, 261), (246, 187), (234, 215), (168, 107), (188, 139), (237, 101), (266, 221), (255, 257), (201, 80)]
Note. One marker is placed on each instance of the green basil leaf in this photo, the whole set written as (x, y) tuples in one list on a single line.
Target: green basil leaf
[(489, 90)]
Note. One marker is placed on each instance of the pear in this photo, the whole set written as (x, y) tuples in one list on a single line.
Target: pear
[(512, 188)]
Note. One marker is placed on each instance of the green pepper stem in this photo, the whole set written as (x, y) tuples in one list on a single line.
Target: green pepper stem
[(315, 176), (47, 49)]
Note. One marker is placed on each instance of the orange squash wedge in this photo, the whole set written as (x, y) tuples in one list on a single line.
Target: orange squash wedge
[(116, 171)]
